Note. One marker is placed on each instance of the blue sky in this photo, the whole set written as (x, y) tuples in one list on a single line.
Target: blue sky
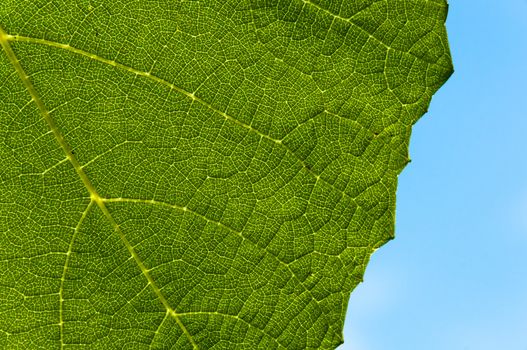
[(455, 277)]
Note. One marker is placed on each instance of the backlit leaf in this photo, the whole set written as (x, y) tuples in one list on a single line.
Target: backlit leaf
[(202, 174)]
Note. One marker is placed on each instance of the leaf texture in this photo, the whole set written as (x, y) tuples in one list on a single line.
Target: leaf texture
[(202, 174)]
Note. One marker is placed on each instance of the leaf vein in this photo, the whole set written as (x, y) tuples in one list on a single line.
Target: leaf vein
[(218, 223), (64, 270), (190, 95), (370, 35)]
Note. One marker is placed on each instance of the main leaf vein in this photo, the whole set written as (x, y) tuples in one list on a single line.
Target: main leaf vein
[(4, 42)]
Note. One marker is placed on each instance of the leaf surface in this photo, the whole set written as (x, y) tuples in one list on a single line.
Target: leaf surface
[(202, 174)]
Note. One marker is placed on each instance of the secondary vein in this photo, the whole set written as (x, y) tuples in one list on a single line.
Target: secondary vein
[(65, 269), (184, 92)]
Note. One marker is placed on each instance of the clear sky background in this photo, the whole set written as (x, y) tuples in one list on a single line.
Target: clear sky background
[(455, 277)]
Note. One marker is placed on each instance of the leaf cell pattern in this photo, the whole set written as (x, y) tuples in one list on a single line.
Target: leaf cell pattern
[(202, 174)]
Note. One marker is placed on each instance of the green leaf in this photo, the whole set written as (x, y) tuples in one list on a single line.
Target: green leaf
[(212, 175)]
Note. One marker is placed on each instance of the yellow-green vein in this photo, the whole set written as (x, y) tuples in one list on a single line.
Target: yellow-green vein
[(190, 95), (370, 35), (65, 269)]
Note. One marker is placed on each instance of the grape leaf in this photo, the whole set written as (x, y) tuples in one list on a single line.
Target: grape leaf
[(202, 174)]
